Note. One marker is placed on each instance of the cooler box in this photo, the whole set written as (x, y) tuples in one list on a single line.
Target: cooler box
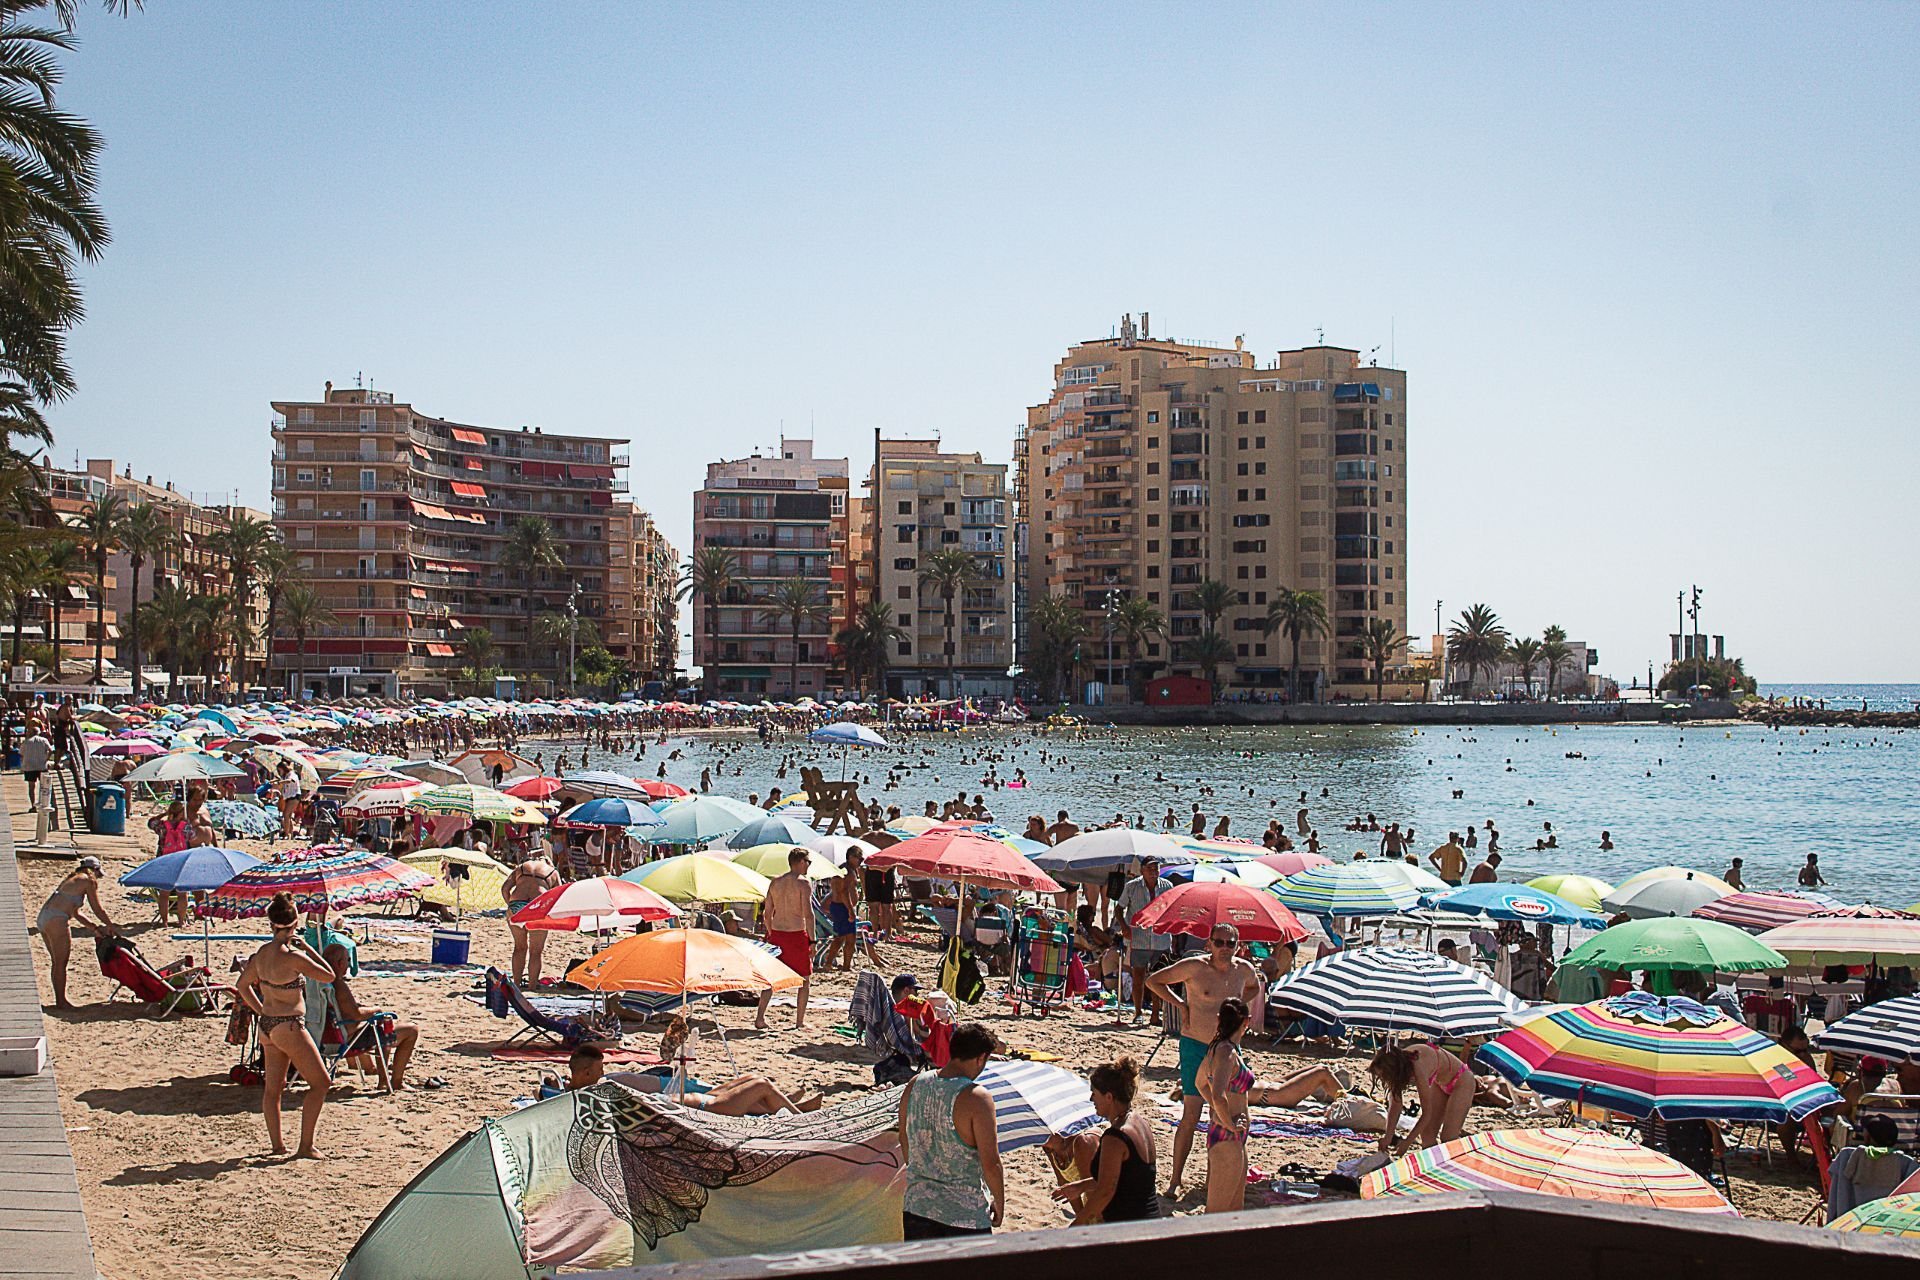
[(109, 808), (450, 946)]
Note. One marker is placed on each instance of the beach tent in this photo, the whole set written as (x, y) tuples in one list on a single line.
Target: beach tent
[(608, 1177)]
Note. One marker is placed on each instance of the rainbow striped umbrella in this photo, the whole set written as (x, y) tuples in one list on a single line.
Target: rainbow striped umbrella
[(1582, 1164), (1347, 889), (1851, 935), (1888, 1216), (1756, 912), (1639, 1053), (327, 877)]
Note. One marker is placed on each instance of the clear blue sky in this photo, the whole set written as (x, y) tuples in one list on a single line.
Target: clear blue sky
[(1653, 273)]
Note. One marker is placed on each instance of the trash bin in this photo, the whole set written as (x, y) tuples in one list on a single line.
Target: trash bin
[(450, 946), (13, 759), (109, 808)]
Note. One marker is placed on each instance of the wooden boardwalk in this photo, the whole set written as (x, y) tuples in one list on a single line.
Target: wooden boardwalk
[(43, 1230)]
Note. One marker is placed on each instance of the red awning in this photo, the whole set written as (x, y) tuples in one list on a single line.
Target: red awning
[(466, 490), (440, 650), (589, 471), (432, 512), (474, 464), (419, 593), (468, 437)]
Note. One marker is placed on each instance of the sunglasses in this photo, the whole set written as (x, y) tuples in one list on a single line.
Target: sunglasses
[(1223, 942)]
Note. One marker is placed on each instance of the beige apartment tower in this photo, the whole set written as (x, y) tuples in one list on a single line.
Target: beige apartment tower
[(1157, 465)]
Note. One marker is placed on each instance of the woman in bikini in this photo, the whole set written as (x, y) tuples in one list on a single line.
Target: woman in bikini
[(273, 985), (80, 888), (1224, 1079), (1446, 1090), (523, 884)]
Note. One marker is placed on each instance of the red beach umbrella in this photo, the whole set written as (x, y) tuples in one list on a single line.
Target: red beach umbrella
[(599, 903), (1194, 909), (954, 854)]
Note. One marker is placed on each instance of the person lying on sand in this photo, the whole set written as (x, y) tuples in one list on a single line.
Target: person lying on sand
[(741, 1096)]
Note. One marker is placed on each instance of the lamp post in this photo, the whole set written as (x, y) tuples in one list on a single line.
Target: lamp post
[(573, 632), (1112, 603), (1694, 610)]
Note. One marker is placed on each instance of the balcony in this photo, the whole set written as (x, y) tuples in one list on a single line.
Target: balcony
[(1355, 548), (1347, 446)]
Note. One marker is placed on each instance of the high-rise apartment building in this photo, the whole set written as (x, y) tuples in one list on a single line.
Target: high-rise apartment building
[(403, 522), (1156, 465), (642, 625), (922, 502), (783, 519)]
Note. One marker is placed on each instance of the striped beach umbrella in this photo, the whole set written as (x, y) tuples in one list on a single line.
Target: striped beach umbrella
[(1897, 1215), (1851, 935), (1582, 1164), (1398, 989), (601, 902), (385, 797), (1756, 912), (1347, 889), (482, 804), (328, 877), (1033, 1101), (1638, 1054), (347, 782), (604, 782), (1888, 1029)]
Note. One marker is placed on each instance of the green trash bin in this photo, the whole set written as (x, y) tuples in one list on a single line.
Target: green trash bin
[(109, 808)]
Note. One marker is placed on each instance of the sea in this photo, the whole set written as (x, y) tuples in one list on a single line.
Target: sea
[(1687, 795)]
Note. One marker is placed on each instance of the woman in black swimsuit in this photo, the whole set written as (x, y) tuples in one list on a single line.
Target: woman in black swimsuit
[(273, 985), (1121, 1185)]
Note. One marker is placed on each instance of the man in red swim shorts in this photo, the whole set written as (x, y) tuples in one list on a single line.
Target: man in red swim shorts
[(788, 916)]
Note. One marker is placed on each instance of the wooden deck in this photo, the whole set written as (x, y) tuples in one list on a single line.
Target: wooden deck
[(43, 1230)]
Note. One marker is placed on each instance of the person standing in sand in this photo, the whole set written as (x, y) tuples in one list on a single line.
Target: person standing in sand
[(80, 888), (273, 986), (523, 884), (1206, 981), (787, 915)]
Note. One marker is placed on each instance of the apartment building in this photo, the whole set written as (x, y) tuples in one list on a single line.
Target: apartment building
[(1155, 465), (400, 521), (920, 501), (642, 625), (784, 518), (65, 621)]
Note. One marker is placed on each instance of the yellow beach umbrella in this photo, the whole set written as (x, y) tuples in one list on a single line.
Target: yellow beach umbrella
[(770, 860), (1581, 891), (698, 877)]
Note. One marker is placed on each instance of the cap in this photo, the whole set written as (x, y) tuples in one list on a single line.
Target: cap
[(905, 982), (91, 863)]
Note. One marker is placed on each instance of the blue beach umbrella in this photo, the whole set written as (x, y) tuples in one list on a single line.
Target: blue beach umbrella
[(772, 829), (1515, 902), (613, 811), (702, 820), (198, 870)]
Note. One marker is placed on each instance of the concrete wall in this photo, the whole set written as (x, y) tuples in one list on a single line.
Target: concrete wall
[(1421, 713)]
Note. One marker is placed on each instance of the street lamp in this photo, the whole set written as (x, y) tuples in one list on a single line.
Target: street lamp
[(573, 632), (1113, 600)]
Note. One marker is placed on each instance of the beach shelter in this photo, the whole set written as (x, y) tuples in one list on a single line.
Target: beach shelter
[(243, 817), (1397, 989), (1889, 1029), (195, 870), (684, 962), (385, 798), (1757, 912), (845, 734), (1243, 871), (1582, 1164), (604, 782), (481, 804), (1293, 861), (836, 848), (608, 1177), (476, 871), (1851, 935)]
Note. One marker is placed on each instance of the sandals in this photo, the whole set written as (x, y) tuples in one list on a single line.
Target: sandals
[(434, 1082)]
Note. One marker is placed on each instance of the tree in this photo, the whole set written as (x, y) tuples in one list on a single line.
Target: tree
[(64, 565), (1554, 651), (1137, 620), (601, 670), (1298, 614), (1213, 598), (1724, 677), (1058, 628), (532, 548), (167, 624), (476, 648), (1382, 640), (558, 632), (276, 571), (1524, 653), (147, 535), (868, 644), (243, 543), (1476, 642), (794, 602), (947, 571), (1207, 651), (301, 610), (709, 574), (98, 526)]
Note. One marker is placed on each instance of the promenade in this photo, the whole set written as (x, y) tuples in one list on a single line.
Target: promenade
[(43, 1229)]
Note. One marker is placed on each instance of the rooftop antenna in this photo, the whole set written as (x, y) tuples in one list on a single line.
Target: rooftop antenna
[(359, 380), (1319, 336)]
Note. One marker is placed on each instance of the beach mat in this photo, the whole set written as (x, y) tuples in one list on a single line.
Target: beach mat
[(560, 1053), (1278, 1122)]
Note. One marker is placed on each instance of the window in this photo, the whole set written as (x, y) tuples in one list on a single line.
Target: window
[(1388, 495), (1153, 415), (1153, 495), (303, 476), (1259, 442), (1259, 571), (1389, 419), (949, 509), (905, 533), (1153, 571), (1389, 597), (1259, 597), (1153, 468), (1387, 444), (1153, 442), (1153, 546), (1240, 495), (1259, 415), (906, 508), (1259, 495), (1153, 650), (1241, 574), (905, 593), (1241, 418), (1153, 522), (1242, 470), (1153, 597), (1389, 470), (1240, 649), (1389, 522), (1389, 578), (1389, 548), (905, 619), (1259, 468), (904, 564), (906, 648)]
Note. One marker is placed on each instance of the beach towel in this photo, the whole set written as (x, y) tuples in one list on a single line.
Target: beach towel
[(1278, 1122), (560, 1053)]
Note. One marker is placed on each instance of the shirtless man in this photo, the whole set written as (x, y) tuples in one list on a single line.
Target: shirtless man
[(843, 909), (1206, 980), (1392, 843), (1063, 828), (1450, 860), (788, 917)]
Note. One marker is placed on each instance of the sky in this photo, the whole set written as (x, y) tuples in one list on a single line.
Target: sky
[(1653, 271)]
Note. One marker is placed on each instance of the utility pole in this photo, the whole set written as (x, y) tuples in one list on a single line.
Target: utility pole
[(1697, 655), (573, 633), (1112, 600)]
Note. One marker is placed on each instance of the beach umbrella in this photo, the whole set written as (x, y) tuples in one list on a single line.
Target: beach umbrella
[(1664, 943), (1514, 902), (184, 766), (440, 775), (702, 820), (966, 857), (836, 848), (1423, 880), (1581, 1164), (243, 817), (1895, 1215), (190, 870), (347, 782), (481, 804), (1034, 1101), (1347, 889), (613, 811), (845, 733), (661, 789), (137, 748), (695, 877), (1399, 989), (478, 765), (1293, 861), (272, 757), (1851, 935), (1110, 847), (912, 824), (386, 798), (1638, 1054), (1674, 896), (1757, 912), (684, 962), (1225, 847), (772, 829), (1673, 873), (1887, 1029), (602, 900), (1195, 909), (1244, 872), (604, 782), (323, 878), (476, 870), (533, 789), (770, 860), (1581, 891)]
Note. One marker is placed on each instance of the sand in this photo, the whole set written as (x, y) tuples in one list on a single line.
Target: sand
[(173, 1161)]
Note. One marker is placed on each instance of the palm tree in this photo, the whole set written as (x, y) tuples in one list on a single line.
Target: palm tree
[(476, 649), (795, 602), (20, 417), (1213, 598), (1058, 627), (301, 610), (1524, 653), (243, 543), (1207, 651), (146, 536), (1382, 640), (99, 525), (531, 549), (167, 623), (868, 644), (709, 574), (1476, 642), (557, 633), (277, 571), (48, 217), (1299, 614), (946, 571), (1137, 620), (65, 564), (1554, 651)]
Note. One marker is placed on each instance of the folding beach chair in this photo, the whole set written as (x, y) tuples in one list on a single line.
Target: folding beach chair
[(824, 939), (1042, 955), (371, 1038), (180, 987), (505, 1000)]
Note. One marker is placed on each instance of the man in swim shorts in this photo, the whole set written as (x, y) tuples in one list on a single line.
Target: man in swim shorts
[(1206, 981), (788, 917)]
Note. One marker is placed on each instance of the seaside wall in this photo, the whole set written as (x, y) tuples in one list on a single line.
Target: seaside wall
[(1408, 713)]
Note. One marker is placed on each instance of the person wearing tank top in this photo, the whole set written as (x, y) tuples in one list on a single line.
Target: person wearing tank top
[(950, 1139)]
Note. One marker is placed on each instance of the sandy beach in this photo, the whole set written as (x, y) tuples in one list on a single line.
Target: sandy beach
[(172, 1156)]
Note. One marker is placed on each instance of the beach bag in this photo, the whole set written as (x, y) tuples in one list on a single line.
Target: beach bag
[(1347, 1174), (895, 1068), (1076, 977), (1363, 1115), (960, 975)]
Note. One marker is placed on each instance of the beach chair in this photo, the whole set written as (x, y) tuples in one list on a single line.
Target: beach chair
[(506, 1000), (372, 1038), (1042, 956), (1860, 1174), (182, 986), (883, 1030), (1901, 1108), (824, 939)]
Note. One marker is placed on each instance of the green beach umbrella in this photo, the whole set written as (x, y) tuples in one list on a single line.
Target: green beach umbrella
[(1675, 942)]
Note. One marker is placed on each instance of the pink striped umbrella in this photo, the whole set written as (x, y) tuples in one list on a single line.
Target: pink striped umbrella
[(1757, 911)]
